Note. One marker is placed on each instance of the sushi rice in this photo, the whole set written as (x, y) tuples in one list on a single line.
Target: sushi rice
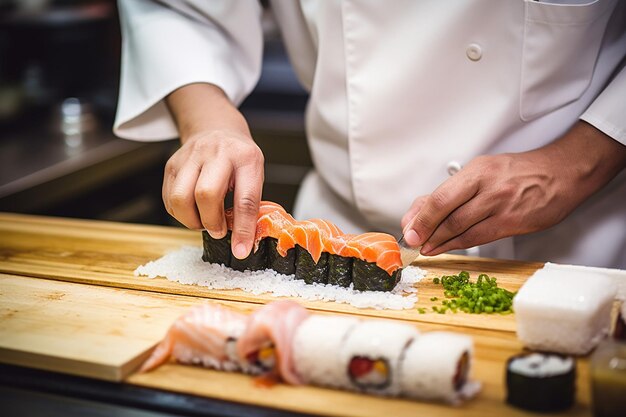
[(316, 348), (436, 367)]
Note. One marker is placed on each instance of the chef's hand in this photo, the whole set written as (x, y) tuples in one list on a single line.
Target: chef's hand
[(217, 155), (498, 196)]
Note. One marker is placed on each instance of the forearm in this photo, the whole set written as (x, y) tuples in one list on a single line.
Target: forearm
[(200, 108), (589, 159)]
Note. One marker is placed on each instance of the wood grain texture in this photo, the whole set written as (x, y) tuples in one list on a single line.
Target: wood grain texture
[(104, 255)]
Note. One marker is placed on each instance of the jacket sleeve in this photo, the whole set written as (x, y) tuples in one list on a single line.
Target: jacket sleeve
[(608, 112), (168, 44)]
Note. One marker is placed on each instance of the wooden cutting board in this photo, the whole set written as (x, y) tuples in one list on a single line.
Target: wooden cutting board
[(105, 253), (69, 302)]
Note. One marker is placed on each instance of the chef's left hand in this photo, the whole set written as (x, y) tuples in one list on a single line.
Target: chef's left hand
[(497, 196)]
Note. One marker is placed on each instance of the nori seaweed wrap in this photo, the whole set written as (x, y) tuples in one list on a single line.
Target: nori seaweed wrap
[(541, 382), (308, 270), (281, 264), (367, 276), (339, 270), (216, 251), (255, 261)]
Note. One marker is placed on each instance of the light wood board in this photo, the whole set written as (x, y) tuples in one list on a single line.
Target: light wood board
[(104, 255)]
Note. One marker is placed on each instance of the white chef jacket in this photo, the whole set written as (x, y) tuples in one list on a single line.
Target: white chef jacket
[(401, 94)]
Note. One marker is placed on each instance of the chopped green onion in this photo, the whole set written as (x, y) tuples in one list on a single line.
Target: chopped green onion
[(421, 310), (482, 296)]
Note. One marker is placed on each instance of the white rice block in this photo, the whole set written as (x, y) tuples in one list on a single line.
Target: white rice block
[(430, 365), (316, 350), (379, 339), (564, 311)]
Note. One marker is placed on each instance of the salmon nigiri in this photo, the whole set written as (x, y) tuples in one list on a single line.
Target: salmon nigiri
[(206, 335), (265, 345)]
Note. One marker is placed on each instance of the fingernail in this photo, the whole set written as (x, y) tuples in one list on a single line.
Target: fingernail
[(426, 249), (411, 237), (216, 234), (240, 251)]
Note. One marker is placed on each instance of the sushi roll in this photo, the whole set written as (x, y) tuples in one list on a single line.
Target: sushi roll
[(541, 382), (265, 346), (309, 270), (339, 270), (316, 348), (282, 264), (367, 276), (564, 312), (206, 335), (216, 251), (436, 366), (255, 261), (372, 355)]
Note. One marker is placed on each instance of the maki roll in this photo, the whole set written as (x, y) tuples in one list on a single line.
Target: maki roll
[(310, 271), (216, 251), (541, 382), (367, 276), (339, 270), (255, 261), (282, 264), (372, 355), (316, 348), (436, 367)]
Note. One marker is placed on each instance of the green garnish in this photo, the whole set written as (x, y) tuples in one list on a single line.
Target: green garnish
[(421, 310), (482, 296)]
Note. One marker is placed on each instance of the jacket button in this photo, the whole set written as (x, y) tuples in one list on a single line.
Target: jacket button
[(474, 51), (453, 167)]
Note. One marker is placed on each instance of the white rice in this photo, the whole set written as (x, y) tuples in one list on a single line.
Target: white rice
[(316, 348), (186, 267), (430, 364)]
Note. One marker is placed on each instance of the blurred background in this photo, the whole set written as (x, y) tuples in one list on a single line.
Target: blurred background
[(59, 74)]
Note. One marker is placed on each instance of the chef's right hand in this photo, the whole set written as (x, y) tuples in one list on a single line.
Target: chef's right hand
[(217, 154)]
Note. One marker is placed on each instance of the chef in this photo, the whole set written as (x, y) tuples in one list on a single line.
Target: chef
[(496, 126)]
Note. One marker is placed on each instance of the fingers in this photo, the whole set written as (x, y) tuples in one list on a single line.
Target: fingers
[(178, 194), (450, 195), (460, 220), (247, 196), (482, 232), (210, 191)]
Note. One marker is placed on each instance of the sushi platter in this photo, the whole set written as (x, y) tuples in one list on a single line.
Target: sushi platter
[(67, 285)]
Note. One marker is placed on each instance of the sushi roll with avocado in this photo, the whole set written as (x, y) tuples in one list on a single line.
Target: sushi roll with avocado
[(255, 261), (436, 366), (316, 347), (541, 382), (285, 265), (367, 276), (372, 355), (309, 270), (216, 251)]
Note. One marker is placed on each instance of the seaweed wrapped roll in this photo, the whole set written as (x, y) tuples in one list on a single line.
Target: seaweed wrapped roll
[(216, 251), (339, 270), (541, 382), (310, 271), (367, 276), (282, 264), (255, 261)]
